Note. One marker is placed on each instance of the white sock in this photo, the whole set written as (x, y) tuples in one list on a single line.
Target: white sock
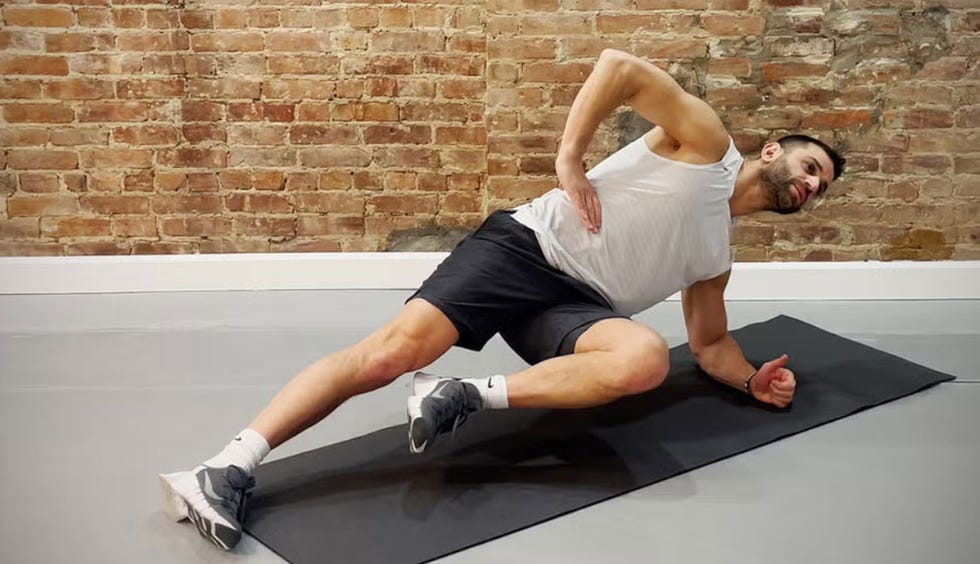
[(245, 451), (493, 391)]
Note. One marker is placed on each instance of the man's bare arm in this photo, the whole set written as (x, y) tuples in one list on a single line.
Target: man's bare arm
[(720, 356)]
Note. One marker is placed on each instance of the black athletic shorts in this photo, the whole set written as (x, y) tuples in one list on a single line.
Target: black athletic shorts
[(497, 280)]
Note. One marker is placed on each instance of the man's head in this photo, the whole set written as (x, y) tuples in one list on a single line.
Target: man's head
[(797, 170)]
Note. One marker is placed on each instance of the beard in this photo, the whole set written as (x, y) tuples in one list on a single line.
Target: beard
[(778, 184)]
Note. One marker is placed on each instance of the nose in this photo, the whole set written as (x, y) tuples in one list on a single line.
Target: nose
[(812, 184)]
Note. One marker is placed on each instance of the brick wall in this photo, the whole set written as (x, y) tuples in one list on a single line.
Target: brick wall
[(168, 126)]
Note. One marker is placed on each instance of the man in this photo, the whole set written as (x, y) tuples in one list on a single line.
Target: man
[(558, 278)]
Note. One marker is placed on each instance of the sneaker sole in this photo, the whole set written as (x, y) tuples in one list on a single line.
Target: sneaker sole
[(173, 502), (173, 487), (415, 418)]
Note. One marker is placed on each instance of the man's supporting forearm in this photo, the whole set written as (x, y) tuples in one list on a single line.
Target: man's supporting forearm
[(724, 361)]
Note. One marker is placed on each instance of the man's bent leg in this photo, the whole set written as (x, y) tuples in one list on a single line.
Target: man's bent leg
[(213, 495), (418, 336), (613, 358)]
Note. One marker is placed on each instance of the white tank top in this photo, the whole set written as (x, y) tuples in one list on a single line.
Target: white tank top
[(665, 226)]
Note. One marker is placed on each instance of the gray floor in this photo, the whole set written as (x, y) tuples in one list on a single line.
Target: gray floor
[(99, 393)]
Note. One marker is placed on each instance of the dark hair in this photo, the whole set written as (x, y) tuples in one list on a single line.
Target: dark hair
[(790, 140)]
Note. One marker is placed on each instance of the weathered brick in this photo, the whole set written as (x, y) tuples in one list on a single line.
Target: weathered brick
[(36, 206), (335, 156), (257, 134), (37, 113), (401, 134), (39, 183), (33, 159), (78, 89), (146, 135), (75, 227), (37, 16), (116, 158)]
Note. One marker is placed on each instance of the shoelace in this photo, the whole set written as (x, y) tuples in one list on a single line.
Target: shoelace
[(239, 482), (455, 404)]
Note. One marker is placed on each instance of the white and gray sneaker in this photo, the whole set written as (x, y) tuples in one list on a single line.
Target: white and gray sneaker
[(439, 405), (213, 498)]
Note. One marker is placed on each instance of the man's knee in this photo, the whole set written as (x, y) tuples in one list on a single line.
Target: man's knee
[(643, 365), (386, 356)]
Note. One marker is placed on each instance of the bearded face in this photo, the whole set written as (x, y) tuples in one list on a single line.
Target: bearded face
[(778, 183)]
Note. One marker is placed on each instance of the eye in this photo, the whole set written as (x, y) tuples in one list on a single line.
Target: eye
[(810, 168)]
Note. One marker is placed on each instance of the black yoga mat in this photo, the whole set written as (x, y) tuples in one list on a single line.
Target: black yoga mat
[(369, 500)]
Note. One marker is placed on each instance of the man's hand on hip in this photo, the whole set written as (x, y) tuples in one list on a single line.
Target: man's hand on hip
[(583, 195)]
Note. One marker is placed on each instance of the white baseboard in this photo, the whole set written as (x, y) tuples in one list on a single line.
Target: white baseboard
[(405, 271)]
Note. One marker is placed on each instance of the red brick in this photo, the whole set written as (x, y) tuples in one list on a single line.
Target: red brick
[(776, 71), (330, 225), (367, 180), (464, 160), (151, 88), (162, 19), (39, 183), (29, 159), (152, 41), (266, 226), (262, 156), (259, 203), (19, 89), (36, 206), (197, 110), (453, 135), (518, 188), (366, 111), (268, 180), (75, 227), (650, 22), (304, 64), (128, 18), (947, 68), (672, 49), (116, 158), (37, 17), (37, 113), (838, 119), (78, 89), (92, 17), (451, 64), (202, 182), (198, 133), (22, 137), (468, 43), (263, 18), (335, 156), (257, 134), (187, 203), (261, 111), (134, 227), (146, 135), (733, 25), (314, 111), (407, 134), (231, 19), (170, 181), (406, 157), (330, 202), (406, 204), (19, 228), (322, 135), (512, 144), (734, 97), (77, 42), (378, 64), (298, 89), (139, 182), (456, 202), (520, 48), (292, 41), (231, 179), (99, 64), (537, 165), (556, 72), (401, 180), (234, 246), (118, 111), (224, 88), (193, 157)]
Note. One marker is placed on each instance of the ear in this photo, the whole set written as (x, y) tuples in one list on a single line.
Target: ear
[(771, 152)]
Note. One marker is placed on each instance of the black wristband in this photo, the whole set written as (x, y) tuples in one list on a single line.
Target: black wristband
[(748, 383)]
